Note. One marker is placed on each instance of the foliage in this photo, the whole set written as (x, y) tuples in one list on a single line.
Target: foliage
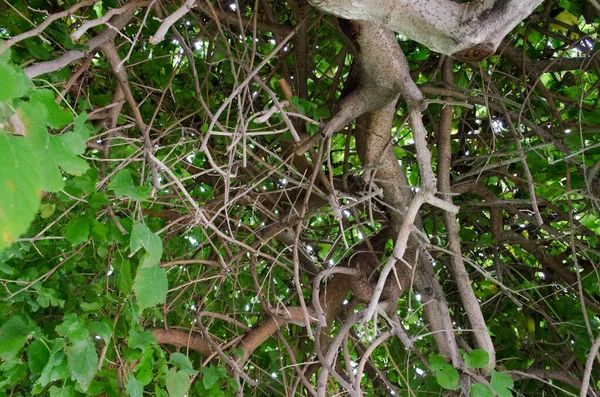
[(155, 222)]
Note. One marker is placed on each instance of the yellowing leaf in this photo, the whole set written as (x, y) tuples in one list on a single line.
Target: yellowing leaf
[(568, 19)]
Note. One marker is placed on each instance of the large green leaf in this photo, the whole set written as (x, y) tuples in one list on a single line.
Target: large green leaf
[(13, 335), (501, 383), (151, 286), (83, 362), (478, 358), (30, 157), (122, 184), (142, 237), (178, 383), (134, 387)]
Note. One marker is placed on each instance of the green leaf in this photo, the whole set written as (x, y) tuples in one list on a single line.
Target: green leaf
[(122, 184), (151, 286), (447, 377), (134, 387), (72, 328), (142, 237), (436, 362), (83, 362), (501, 383), (143, 371), (99, 231), (13, 81), (46, 210), (57, 116), (78, 230), (4, 268), (210, 376), (239, 353), (478, 358), (481, 390), (56, 368), (183, 363), (91, 307), (178, 383), (322, 113), (9, 89), (38, 51), (303, 105), (122, 269), (38, 356), (103, 329), (13, 336), (63, 391), (97, 200), (30, 161), (140, 340)]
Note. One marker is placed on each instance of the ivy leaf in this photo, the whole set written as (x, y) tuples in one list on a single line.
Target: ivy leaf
[(501, 383), (122, 184), (178, 383), (481, 390), (478, 358), (142, 237), (83, 362), (151, 286), (13, 335)]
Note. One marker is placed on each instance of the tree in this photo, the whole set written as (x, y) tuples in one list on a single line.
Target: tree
[(229, 198)]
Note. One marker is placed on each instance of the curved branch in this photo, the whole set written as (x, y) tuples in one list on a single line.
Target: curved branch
[(182, 339), (42, 26), (108, 34)]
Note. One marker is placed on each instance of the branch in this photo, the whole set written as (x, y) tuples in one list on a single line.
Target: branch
[(114, 60), (87, 25), (182, 339), (468, 298), (519, 58), (108, 34), (42, 26), (170, 20)]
